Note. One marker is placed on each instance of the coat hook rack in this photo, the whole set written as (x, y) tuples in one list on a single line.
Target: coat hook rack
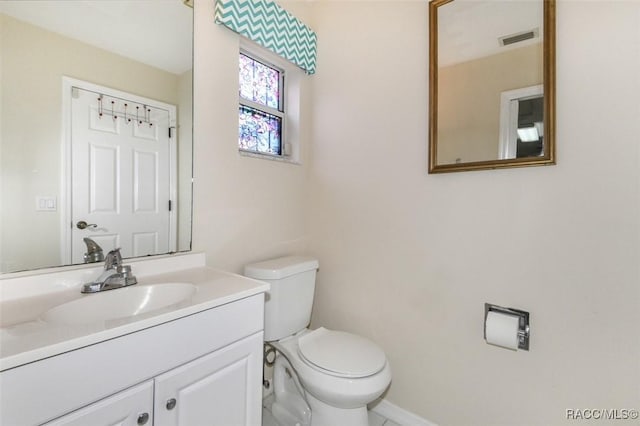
[(123, 111)]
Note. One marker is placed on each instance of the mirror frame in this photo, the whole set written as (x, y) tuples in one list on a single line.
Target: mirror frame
[(549, 90)]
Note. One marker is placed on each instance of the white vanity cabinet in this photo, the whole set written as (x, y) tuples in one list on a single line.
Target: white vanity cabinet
[(204, 368), (213, 390)]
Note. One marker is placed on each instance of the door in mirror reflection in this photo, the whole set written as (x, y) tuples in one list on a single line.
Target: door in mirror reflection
[(122, 173), (522, 123)]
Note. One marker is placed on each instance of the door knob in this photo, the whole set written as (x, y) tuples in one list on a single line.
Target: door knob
[(82, 225)]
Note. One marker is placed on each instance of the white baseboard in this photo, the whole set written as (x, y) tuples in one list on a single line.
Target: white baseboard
[(398, 415)]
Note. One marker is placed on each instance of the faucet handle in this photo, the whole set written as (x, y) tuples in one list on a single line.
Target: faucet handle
[(125, 272)]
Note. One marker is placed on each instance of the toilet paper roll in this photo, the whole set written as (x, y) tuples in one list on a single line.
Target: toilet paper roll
[(502, 330)]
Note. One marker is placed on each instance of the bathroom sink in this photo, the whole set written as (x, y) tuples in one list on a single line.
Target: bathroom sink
[(119, 303)]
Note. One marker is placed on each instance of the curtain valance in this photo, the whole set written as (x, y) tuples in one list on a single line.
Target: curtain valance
[(272, 27)]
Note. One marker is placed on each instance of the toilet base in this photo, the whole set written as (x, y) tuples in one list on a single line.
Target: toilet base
[(323, 414), (289, 407)]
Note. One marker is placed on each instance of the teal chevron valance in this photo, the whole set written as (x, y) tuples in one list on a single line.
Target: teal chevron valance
[(269, 25)]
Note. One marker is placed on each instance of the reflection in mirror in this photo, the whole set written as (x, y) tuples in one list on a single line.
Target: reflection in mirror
[(522, 123), (492, 91), (96, 133)]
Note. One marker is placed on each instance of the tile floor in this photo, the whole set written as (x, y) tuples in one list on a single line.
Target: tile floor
[(268, 420), (377, 420)]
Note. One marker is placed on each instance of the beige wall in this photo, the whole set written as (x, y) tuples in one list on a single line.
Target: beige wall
[(245, 208), (33, 63), (469, 101), (408, 259)]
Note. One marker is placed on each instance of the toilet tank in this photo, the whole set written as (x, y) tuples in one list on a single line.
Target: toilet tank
[(287, 307)]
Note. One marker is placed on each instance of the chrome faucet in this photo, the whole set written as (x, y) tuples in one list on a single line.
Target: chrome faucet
[(94, 252), (115, 275)]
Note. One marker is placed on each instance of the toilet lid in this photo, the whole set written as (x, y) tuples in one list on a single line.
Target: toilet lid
[(341, 353)]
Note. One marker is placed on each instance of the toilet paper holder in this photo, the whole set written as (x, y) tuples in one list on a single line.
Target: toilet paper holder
[(523, 322)]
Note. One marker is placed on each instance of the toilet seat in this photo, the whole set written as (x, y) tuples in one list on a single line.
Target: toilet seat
[(341, 354)]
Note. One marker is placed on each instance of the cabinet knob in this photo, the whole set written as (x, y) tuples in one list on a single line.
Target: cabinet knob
[(171, 403), (143, 418)]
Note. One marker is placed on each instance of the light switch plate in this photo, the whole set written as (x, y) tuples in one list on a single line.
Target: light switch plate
[(46, 203)]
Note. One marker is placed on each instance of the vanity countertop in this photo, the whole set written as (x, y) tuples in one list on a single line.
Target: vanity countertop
[(32, 338)]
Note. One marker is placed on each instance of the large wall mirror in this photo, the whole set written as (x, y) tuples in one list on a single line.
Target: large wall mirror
[(492, 84), (96, 130)]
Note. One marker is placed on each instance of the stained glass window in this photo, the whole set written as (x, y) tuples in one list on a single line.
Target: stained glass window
[(259, 82), (260, 131), (261, 112)]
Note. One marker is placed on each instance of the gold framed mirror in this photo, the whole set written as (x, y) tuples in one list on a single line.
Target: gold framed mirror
[(491, 84)]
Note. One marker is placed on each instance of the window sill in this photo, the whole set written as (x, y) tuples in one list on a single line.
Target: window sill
[(280, 159)]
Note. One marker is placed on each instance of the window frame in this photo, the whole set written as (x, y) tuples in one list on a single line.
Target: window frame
[(281, 112)]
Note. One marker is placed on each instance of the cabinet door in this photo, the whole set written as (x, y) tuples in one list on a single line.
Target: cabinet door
[(222, 388), (127, 408)]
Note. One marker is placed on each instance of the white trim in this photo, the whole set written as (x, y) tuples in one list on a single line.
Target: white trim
[(398, 415), (509, 117), (262, 156), (173, 179), (64, 204), (65, 193)]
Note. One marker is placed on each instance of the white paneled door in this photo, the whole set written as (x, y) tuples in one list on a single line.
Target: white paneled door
[(120, 175)]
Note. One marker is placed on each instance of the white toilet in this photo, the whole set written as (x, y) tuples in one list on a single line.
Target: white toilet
[(336, 373)]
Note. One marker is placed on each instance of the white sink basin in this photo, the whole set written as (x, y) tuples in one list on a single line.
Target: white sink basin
[(119, 303)]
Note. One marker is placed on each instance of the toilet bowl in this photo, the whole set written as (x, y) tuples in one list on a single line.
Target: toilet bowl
[(334, 373), (339, 372)]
